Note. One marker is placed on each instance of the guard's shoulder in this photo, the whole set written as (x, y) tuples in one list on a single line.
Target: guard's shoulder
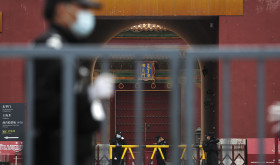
[(217, 140), (112, 140), (50, 39)]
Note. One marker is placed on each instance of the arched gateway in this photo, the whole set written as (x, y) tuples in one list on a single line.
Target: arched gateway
[(195, 22)]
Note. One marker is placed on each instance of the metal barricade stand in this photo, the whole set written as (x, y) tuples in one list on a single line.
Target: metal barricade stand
[(129, 148), (111, 153), (157, 147), (124, 152), (184, 151), (202, 151), (203, 155)]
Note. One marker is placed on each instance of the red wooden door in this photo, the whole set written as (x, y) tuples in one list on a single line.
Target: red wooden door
[(156, 120)]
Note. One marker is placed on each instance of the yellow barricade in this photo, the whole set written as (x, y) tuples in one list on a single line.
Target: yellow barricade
[(125, 149), (185, 148), (203, 153), (156, 147)]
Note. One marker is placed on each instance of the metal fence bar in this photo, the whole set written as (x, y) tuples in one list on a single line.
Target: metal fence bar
[(104, 125), (138, 112), (68, 115), (174, 111), (29, 147), (226, 100), (206, 52), (210, 53), (190, 106), (79, 51), (261, 109), (226, 106)]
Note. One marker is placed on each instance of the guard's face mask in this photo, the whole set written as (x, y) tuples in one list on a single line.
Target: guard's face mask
[(158, 141), (118, 136), (84, 24)]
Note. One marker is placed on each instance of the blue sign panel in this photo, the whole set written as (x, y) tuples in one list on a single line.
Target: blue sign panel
[(147, 71)]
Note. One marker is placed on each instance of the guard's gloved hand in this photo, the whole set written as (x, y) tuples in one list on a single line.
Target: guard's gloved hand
[(102, 88)]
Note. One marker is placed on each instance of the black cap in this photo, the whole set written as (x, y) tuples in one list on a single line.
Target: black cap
[(211, 134), (157, 137), (50, 6), (118, 132)]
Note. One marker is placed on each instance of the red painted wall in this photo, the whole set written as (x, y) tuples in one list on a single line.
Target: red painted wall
[(21, 24), (12, 81), (259, 25), (22, 20)]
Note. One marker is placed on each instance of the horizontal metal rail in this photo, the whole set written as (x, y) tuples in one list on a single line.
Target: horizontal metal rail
[(207, 52)]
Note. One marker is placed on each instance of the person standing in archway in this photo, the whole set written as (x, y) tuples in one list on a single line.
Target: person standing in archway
[(211, 148)]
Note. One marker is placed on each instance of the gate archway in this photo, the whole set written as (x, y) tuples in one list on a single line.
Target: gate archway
[(194, 31)]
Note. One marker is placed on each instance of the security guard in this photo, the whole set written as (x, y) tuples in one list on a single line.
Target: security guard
[(70, 22), (118, 140), (211, 148), (160, 141)]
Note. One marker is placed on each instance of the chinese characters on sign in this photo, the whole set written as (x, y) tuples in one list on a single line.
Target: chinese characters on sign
[(12, 121), (147, 71)]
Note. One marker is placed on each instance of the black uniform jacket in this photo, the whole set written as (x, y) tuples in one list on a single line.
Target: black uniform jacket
[(48, 101), (211, 148), (48, 85), (117, 152), (164, 152)]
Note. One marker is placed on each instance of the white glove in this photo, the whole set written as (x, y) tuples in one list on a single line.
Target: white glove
[(103, 87), (274, 115), (97, 110)]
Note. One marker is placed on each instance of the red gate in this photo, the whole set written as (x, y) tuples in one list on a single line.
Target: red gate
[(155, 119)]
